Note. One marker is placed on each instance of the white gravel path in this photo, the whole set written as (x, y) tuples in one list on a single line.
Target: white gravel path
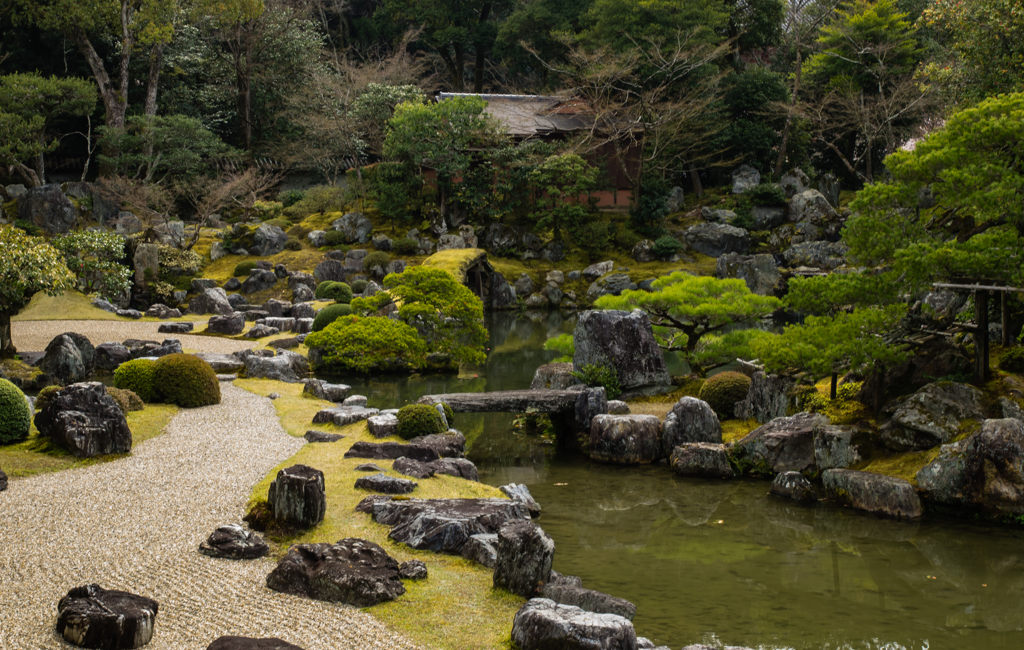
[(135, 524), (34, 335)]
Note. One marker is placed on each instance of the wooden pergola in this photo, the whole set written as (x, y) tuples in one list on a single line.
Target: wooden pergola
[(982, 293)]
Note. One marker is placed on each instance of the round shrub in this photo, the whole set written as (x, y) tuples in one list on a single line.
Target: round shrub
[(339, 292), (283, 224), (329, 314), (293, 244), (186, 380), (723, 390), (15, 415), (137, 376), (376, 258), (405, 246), (45, 396), (1012, 360), (126, 399), (243, 268), (418, 420), (334, 238), (358, 286), (288, 198), (666, 246)]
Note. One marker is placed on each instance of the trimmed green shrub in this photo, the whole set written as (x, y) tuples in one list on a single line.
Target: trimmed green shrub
[(405, 246), (329, 314), (364, 344), (15, 415), (418, 420), (339, 292), (1012, 360), (283, 224), (376, 258), (186, 380), (666, 246), (723, 390), (358, 286), (767, 194), (318, 293), (334, 238), (595, 376), (126, 399), (45, 395), (137, 376), (288, 198), (293, 244), (243, 268)]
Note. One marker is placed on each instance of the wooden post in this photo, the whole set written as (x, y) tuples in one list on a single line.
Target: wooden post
[(1004, 302), (835, 382), (981, 369)]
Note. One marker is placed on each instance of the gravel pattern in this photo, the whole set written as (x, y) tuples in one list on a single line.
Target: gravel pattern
[(135, 524), (34, 335)]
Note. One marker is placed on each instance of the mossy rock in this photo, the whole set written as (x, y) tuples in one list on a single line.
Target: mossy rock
[(419, 420), (723, 390), (15, 415), (186, 381)]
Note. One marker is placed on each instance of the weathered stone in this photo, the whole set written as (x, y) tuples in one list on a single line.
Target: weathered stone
[(322, 390), (931, 416), (277, 309), (623, 340), (834, 447), (259, 280), (147, 257), (766, 217), (69, 358), (594, 271), (524, 285), (297, 496), (445, 525), (246, 643), (370, 467), (525, 554), (718, 216), (211, 301), (674, 201), (222, 362), (457, 467), (330, 271), (618, 407), (261, 331), (759, 272), (93, 617), (643, 251), (783, 445), (508, 401), (690, 420), (351, 571), (569, 590), (412, 570), (322, 436), (503, 295), (715, 239), (701, 460), (874, 493), (450, 444), (817, 254), (47, 208), (385, 484), (625, 439), (793, 486), (795, 181), (744, 179), (482, 549), (230, 325), (542, 624), (3, 480), (413, 468), (1010, 409), (343, 415), (280, 368), (104, 305), (811, 207), (828, 185), (535, 301), (766, 399), (355, 226), (554, 376), (521, 493), (110, 355), (134, 314), (234, 543), (382, 426), (590, 402), (390, 451), (610, 285), (178, 328)]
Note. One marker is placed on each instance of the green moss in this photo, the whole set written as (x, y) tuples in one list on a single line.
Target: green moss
[(15, 415), (419, 420), (186, 381), (244, 268), (137, 376), (1012, 360)]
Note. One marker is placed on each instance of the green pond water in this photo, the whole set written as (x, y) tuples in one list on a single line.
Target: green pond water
[(720, 562)]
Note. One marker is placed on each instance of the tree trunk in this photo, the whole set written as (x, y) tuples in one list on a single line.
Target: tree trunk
[(7, 350), (781, 160), (481, 51), (40, 161), (698, 189), (835, 385), (156, 61), (115, 100)]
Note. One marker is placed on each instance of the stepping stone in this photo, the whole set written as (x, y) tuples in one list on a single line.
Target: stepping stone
[(93, 617), (352, 571), (385, 484), (234, 543), (322, 436), (390, 451), (245, 643)]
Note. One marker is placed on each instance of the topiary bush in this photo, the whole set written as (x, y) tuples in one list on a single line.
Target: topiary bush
[(186, 380), (339, 292), (293, 244), (723, 390), (15, 415), (137, 376), (405, 246), (126, 399), (1012, 360), (288, 198), (666, 246), (243, 268), (329, 314), (368, 344), (358, 286), (334, 238), (376, 258), (419, 420)]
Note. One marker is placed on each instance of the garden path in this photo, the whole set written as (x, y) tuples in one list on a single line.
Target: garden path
[(34, 335)]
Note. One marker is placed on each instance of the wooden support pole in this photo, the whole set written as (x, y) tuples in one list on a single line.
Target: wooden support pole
[(981, 369), (1004, 303)]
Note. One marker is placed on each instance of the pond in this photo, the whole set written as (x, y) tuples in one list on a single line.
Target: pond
[(720, 562)]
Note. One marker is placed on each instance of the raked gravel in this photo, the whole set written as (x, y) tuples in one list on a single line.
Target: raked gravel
[(34, 335), (136, 523)]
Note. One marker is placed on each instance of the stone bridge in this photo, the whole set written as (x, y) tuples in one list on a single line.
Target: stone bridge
[(508, 401)]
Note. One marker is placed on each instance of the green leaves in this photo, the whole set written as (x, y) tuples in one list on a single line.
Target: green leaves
[(564, 181), (28, 265), (93, 256), (373, 343), (173, 145)]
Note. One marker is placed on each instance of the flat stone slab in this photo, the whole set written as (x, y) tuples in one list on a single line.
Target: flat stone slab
[(222, 363), (445, 525), (322, 436), (342, 415), (385, 484), (390, 451), (507, 401), (369, 467), (874, 493), (245, 643), (93, 617)]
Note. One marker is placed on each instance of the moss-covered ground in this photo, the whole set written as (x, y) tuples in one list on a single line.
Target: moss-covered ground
[(455, 607), (74, 305)]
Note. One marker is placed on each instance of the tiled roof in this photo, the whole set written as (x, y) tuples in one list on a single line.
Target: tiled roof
[(528, 115)]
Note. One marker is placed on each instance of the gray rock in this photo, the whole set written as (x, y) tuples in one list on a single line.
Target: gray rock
[(766, 217), (450, 444), (16, 191), (211, 301), (674, 200), (104, 305), (542, 624), (457, 467), (525, 554), (766, 399), (610, 285), (795, 181), (234, 543), (330, 271), (566, 590), (817, 254), (317, 238), (198, 284), (590, 402), (351, 571), (261, 331), (575, 275), (524, 285), (222, 362), (297, 496), (445, 525), (342, 415), (625, 439), (177, 328), (354, 400), (259, 280), (1011, 409), (85, 421), (234, 284), (701, 460), (553, 252), (301, 310), (744, 179), (447, 242), (554, 376), (230, 325), (718, 216), (134, 314), (279, 324), (93, 617), (793, 486), (811, 207), (382, 426), (690, 420), (3, 480), (47, 208), (147, 256), (643, 251), (521, 493), (322, 436), (413, 468), (834, 447), (931, 416), (874, 493), (385, 484), (783, 445), (279, 368), (500, 239), (617, 407), (110, 355), (503, 295), (759, 272), (412, 570), (828, 185), (623, 340), (217, 251), (357, 228), (390, 450), (715, 239), (322, 390), (370, 467), (482, 549), (246, 643), (302, 293), (69, 358), (594, 271), (536, 301)]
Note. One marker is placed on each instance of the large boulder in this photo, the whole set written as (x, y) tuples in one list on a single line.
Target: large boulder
[(351, 571), (85, 421), (69, 358), (625, 439), (874, 493), (246, 643), (767, 217), (554, 376), (690, 420), (812, 208), (211, 301), (767, 398), (795, 181), (259, 280), (610, 285), (93, 617), (356, 226), (330, 271), (569, 590), (268, 240), (47, 208), (111, 355), (759, 272), (234, 543), (164, 312), (793, 486), (445, 525), (782, 445), (744, 179), (984, 472), (931, 416), (297, 496), (817, 254), (701, 460), (543, 624), (624, 341), (715, 239), (230, 325), (279, 368), (525, 555), (503, 294), (836, 447)]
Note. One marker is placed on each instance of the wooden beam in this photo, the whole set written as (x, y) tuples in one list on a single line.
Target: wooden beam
[(1005, 319), (981, 369), (974, 287)]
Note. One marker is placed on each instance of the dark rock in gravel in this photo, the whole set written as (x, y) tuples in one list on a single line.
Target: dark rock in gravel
[(701, 460), (624, 341), (297, 496), (322, 436), (520, 493), (385, 484), (690, 420), (412, 570), (482, 549), (164, 312), (543, 624), (3, 480), (569, 590), (525, 554), (245, 643), (782, 445), (230, 325), (93, 617), (369, 467), (445, 525), (85, 421), (390, 451), (69, 358), (625, 439), (793, 486), (931, 416), (874, 493), (352, 571), (177, 328), (110, 355), (279, 368), (234, 543)]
